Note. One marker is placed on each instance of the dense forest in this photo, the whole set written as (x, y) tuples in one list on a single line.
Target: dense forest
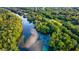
[(10, 30), (62, 24)]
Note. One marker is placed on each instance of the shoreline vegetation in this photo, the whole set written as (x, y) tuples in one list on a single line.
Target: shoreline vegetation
[(10, 30), (62, 24), (31, 43)]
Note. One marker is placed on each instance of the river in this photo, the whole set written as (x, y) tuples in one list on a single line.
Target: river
[(42, 42)]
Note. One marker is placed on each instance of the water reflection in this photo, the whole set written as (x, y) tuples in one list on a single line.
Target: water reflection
[(31, 39)]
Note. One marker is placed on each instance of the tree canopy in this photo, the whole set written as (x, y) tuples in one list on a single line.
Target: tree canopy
[(10, 30)]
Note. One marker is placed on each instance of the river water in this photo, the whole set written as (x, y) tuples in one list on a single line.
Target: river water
[(42, 41)]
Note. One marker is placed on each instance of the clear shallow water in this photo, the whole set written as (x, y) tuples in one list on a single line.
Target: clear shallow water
[(42, 39), (26, 27)]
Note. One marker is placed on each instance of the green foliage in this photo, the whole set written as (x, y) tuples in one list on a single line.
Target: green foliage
[(10, 30), (62, 24)]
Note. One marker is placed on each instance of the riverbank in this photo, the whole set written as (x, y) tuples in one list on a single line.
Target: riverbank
[(42, 41)]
